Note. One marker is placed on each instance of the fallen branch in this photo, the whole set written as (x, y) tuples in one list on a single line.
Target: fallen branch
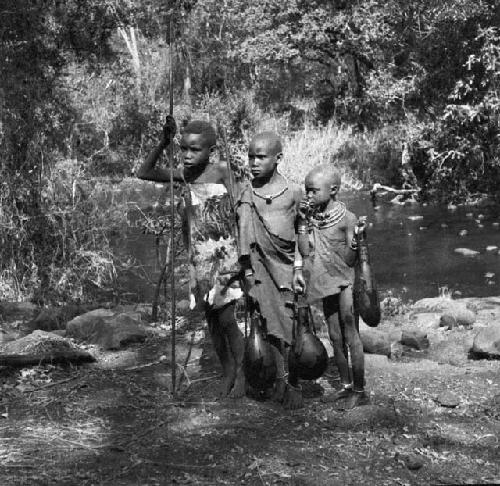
[(380, 187), (61, 357)]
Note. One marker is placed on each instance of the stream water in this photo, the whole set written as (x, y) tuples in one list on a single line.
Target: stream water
[(412, 247)]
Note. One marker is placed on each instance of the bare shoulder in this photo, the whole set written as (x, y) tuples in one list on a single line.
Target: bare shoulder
[(350, 218), (296, 190)]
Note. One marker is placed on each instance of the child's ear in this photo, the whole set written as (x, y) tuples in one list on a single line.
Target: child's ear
[(279, 157), (212, 149), (334, 188)]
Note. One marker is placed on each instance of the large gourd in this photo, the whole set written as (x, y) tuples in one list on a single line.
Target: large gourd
[(307, 358), (259, 364), (366, 299)]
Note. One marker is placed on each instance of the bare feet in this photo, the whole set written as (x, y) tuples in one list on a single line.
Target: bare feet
[(293, 399), (341, 394), (356, 399), (239, 387)]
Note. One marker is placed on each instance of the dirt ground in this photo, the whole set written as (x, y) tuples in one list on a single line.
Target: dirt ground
[(115, 423)]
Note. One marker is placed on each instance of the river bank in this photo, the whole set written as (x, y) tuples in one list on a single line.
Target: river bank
[(434, 416)]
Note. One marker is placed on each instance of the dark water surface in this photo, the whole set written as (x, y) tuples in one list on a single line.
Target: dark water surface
[(411, 258)]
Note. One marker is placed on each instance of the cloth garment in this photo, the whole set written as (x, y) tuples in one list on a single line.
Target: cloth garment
[(267, 239), (209, 227), (325, 270)]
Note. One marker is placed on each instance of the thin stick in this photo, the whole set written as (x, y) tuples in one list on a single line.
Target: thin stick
[(172, 211)]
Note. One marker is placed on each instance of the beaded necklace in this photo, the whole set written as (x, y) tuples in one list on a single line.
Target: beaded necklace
[(269, 198), (329, 218)]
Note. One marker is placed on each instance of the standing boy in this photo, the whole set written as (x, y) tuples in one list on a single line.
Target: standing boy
[(326, 240), (212, 255), (267, 210)]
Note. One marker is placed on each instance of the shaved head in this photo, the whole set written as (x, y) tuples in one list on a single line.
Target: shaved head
[(200, 127), (268, 140), (327, 172)]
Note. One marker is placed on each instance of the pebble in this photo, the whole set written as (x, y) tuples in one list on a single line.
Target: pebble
[(463, 233), (448, 399), (495, 224), (444, 225), (452, 207), (480, 225), (466, 251), (415, 217), (492, 248), (469, 215), (421, 228), (489, 275), (480, 216)]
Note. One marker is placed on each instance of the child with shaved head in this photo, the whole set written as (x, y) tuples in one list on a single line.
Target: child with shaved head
[(268, 209), (327, 244), (212, 254)]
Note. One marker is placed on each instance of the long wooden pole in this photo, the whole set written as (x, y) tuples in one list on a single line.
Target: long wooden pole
[(172, 210)]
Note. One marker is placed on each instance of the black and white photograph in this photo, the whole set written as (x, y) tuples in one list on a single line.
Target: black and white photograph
[(249, 242)]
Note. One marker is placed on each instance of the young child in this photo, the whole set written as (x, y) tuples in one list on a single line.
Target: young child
[(207, 225), (327, 244), (267, 210)]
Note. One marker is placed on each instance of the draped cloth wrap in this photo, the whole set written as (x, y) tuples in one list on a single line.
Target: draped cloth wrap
[(272, 258)]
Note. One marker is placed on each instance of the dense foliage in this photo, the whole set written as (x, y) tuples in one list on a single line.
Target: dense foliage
[(84, 89)]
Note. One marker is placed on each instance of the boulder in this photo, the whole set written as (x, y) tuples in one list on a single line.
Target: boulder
[(487, 343), (17, 311), (38, 342), (376, 341), (106, 329), (425, 321), (52, 318), (462, 313), (415, 339)]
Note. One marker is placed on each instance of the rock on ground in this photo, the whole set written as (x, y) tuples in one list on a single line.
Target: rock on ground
[(448, 399), (456, 311), (487, 342), (415, 339), (106, 329), (38, 342)]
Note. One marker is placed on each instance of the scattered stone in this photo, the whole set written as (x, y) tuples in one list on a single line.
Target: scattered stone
[(104, 328), (421, 228), (489, 275), (452, 207), (412, 461), (466, 252), (447, 321), (480, 225), (496, 224), (18, 311), (444, 225), (367, 416), (491, 248), (480, 216), (37, 343), (469, 215), (375, 341), (415, 339), (448, 399), (463, 232), (415, 217), (425, 320), (486, 343)]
